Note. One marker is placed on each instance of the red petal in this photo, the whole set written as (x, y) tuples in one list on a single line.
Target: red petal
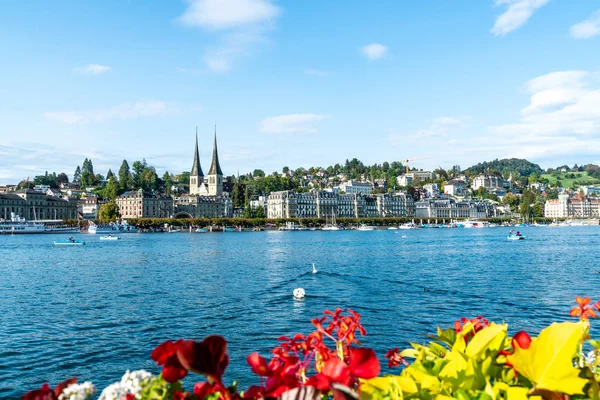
[(258, 364), (162, 352), (521, 339), (319, 381), (208, 357), (364, 363), (43, 393), (173, 371), (63, 385), (254, 392), (337, 371)]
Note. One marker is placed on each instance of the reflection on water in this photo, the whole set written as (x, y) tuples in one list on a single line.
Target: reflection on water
[(100, 309)]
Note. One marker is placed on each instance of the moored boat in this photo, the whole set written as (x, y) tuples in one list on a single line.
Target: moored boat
[(110, 237), (69, 242)]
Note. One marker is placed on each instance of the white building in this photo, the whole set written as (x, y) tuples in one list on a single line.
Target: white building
[(576, 207), (432, 189), (396, 205), (356, 187), (260, 202), (448, 208), (404, 180), (487, 181), (41, 188), (455, 189), (590, 190)]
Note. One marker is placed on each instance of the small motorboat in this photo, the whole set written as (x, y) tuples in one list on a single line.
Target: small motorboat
[(201, 230), (392, 228), (515, 237), (69, 242), (364, 227), (110, 237)]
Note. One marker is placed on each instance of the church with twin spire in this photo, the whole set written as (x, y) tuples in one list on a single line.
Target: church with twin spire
[(206, 197)]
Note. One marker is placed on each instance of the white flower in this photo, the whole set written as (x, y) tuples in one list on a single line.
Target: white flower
[(131, 383), (83, 391)]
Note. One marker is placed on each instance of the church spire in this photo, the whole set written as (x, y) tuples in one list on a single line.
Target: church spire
[(196, 168), (215, 168)]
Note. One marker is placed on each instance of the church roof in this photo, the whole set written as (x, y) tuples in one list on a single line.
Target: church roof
[(196, 168), (215, 168)]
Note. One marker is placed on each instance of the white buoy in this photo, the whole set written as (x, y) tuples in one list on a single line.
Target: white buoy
[(299, 293), (403, 236), (314, 269)]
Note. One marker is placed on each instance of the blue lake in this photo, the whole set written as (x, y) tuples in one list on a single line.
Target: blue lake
[(96, 310)]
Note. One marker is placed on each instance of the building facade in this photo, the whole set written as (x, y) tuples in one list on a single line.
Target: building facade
[(206, 198), (88, 207), (34, 205), (322, 204), (487, 181), (356, 187), (448, 208), (137, 204), (576, 207)]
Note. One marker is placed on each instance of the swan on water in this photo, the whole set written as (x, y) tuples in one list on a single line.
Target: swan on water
[(299, 293), (314, 269)]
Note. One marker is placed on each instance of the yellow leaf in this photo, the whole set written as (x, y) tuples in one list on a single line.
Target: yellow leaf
[(516, 393), (407, 384), (548, 362), (489, 337)]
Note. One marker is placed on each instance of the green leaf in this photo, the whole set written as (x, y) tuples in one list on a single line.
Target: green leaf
[(548, 362), (490, 337)]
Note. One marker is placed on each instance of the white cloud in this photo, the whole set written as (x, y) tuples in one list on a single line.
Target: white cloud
[(145, 108), (93, 69), (438, 128), (245, 23), (516, 15), (562, 118), (291, 123), (316, 72), (374, 51), (588, 28), (227, 14)]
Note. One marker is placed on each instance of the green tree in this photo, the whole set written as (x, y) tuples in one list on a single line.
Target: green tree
[(236, 195), (259, 212), (109, 174), (285, 170), (62, 178), (168, 182), (184, 177), (258, 173), (108, 212), (112, 188), (124, 176), (138, 168), (77, 174)]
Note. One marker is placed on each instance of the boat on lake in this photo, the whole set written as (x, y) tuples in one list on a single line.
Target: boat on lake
[(364, 227), (69, 242), (201, 230), (515, 237), (110, 237), (113, 227), (19, 225)]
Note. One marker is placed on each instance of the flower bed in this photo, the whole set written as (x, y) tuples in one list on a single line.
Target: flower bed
[(474, 359)]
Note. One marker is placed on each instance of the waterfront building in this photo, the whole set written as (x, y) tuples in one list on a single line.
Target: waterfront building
[(487, 182), (449, 208), (206, 198), (260, 202), (579, 206), (590, 190), (395, 205), (324, 204), (34, 205), (140, 204)]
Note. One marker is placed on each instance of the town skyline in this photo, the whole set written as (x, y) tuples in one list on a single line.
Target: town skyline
[(461, 82)]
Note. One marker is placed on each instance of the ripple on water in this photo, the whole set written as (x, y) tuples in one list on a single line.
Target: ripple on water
[(98, 310)]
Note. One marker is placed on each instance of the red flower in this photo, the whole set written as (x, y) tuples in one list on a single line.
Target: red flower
[(521, 339), (258, 364), (203, 389), (208, 357), (477, 323), (583, 310), (46, 393), (166, 355), (394, 358), (363, 364)]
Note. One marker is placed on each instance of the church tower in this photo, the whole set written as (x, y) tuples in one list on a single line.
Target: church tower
[(215, 175), (196, 176)]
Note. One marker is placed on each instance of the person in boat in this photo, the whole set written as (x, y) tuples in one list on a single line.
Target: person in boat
[(512, 232), (518, 233)]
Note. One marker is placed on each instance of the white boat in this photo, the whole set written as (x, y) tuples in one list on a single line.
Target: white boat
[(330, 226), (392, 228), (110, 237), (291, 226), (113, 227), (201, 230), (19, 225), (364, 227), (68, 243), (515, 237)]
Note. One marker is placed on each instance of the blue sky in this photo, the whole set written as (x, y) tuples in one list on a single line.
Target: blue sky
[(297, 83)]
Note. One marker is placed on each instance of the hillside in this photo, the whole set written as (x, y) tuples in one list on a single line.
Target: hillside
[(571, 179), (507, 165)]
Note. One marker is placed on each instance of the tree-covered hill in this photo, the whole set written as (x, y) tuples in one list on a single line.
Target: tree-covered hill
[(505, 166)]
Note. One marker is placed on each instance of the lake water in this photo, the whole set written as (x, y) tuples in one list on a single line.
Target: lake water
[(96, 310)]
